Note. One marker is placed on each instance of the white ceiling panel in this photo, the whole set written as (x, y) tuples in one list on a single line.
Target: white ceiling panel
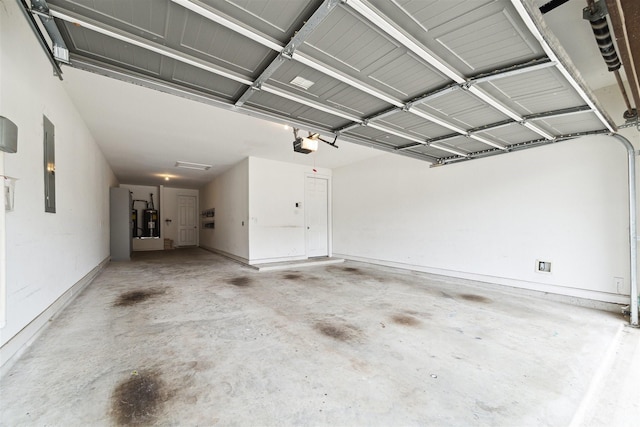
[(147, 16), (415, 125), (196, 78), (221, 45), (482, 40), (366, 45), (101, 47), (465, 144), (379, 136), (513, 133), (431, 151), (295, 110), (387, 73), (278, 19), (566, 125), (326, 89), (534, 92), (463, 109)]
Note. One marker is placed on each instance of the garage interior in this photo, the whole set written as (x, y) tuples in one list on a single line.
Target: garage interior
[(319, 212)]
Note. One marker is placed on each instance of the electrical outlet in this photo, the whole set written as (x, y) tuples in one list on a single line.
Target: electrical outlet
[(543, 266), (618, 282)]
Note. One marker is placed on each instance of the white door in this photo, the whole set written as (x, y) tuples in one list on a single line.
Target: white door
[(317, 216), (187, 221)]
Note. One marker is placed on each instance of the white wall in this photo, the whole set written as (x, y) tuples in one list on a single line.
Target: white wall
[(229, 195), (47, 253), (277, 227), (491, 219), (170, 211)]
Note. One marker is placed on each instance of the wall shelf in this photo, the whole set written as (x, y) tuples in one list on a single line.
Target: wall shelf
[(208, 218)]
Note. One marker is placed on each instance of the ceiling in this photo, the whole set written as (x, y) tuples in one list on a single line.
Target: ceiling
[(438, 81)]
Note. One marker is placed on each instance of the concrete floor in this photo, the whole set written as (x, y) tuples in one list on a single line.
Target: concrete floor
[(186, 337)]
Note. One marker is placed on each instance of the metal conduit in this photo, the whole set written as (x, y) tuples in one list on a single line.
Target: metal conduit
[(633, 242)]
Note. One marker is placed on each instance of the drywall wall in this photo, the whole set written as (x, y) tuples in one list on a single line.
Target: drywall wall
[(170, 211), (46, 253), (491, 219), (228, 194), (277, 226)]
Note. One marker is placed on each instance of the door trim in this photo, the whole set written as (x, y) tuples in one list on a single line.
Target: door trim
[(329, 213)]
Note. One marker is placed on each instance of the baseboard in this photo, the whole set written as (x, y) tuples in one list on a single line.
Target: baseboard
[(288, 265), (580, 297), (11, 351), (232, 257), (282, 259)]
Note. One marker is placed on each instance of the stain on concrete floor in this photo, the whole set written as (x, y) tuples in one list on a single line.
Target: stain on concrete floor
[(241, 281), (405, 320), (293, 276), (338, 332), (475, 298), (137, 296), (139, 399)]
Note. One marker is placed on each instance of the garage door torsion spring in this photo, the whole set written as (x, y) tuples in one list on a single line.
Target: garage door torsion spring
[(605, 43)]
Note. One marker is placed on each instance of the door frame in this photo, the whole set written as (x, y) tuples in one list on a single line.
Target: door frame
[(197, 217), (329, 213)]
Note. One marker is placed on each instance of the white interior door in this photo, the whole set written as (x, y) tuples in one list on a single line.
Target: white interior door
[(187, 221), (317, 216)]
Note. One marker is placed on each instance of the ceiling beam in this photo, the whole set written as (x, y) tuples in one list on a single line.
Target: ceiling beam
[(313, 104), (449, 150), (528, 20), (117, 73), (400, 37), (528, 66), (519, 146), (438, 63), (287, 52), (344, 78), (516, 70), (205, 12), (188, 59), (90, 65), (296, 55), (114, 33), (472, 133)]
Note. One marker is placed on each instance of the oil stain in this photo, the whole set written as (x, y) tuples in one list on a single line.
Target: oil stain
[(475, 298), (241, 281), (352, 270), (134, 297), (488, 408), (139, 399), (405, 320), (293, 276), (339, 333)]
